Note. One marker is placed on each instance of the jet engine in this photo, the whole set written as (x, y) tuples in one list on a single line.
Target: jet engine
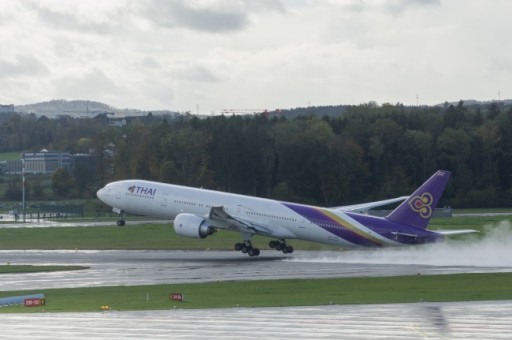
[(190, 225)]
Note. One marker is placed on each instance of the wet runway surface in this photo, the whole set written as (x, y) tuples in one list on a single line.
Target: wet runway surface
[(480, 320), (108, 268), (459, 320)]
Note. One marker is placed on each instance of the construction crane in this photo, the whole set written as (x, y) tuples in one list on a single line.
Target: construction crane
[(243, 111)]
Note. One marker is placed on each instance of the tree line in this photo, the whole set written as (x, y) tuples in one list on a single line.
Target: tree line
[(368, 152)]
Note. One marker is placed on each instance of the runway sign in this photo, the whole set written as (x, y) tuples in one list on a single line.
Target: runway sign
[(34, 302), (177, 297)]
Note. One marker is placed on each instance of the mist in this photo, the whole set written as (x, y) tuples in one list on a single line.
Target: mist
[(492, 250)]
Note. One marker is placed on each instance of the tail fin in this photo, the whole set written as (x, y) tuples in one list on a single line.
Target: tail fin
[(418, 208)]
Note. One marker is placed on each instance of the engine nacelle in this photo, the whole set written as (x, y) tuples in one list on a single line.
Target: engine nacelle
[(190, 225)]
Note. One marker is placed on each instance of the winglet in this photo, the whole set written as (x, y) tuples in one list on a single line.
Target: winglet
[(419, 207)]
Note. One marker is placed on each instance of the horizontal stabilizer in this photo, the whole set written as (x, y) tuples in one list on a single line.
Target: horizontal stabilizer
[(456, 232), (362, 207)]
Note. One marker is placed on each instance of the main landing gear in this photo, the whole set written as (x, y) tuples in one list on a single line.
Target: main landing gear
[(247, 248), (280, 245)]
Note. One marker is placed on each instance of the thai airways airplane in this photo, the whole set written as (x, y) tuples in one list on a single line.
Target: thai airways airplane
[(198, 213)]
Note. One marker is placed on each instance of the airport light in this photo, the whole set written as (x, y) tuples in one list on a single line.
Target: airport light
[(23, 184)]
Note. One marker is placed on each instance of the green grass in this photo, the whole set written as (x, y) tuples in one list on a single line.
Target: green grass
[(163, 237), (9, 156), (364, 290), (143, 237), (17, 269)]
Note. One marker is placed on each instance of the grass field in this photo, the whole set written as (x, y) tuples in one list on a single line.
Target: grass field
[(162, 236), (17, 269), (144, 237), (404, 289), (9, 156)]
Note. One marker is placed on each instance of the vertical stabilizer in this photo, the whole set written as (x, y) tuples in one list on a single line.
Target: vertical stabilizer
[(418, 208)]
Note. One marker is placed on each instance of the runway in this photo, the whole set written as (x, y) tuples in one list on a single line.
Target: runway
[(117, 267), (475, 320)]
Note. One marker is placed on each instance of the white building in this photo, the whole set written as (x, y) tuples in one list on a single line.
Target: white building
[(45, 162)]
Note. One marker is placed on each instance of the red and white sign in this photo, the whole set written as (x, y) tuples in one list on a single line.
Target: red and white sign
[(176, 297), (34, 302)]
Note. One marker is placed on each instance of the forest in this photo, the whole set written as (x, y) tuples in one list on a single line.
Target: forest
[(366, 152)]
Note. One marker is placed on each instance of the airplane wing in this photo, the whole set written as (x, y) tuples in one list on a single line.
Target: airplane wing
[(223, 220), (362, 207), (219, 215)]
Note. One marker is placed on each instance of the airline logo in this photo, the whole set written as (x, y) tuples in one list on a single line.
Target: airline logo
[(136, 190), (422, 204)]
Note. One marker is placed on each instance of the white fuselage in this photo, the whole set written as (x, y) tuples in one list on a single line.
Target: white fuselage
[(277, 219)]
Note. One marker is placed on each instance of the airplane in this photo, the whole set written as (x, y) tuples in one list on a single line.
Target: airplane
[(199, 213)]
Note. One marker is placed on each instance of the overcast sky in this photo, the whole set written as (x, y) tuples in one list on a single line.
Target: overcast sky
[(264, 54)]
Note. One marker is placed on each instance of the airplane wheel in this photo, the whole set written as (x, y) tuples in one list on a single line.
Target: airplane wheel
[(272, 244), (238, 246), (289, 249), (245, 249), (254, 252), (121, 223), (279, 246)]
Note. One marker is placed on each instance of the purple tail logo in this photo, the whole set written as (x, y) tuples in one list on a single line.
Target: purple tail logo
[(419, 208), (131, 189), (422, 204)]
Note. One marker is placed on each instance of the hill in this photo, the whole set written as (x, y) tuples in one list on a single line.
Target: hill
[(60, 107), (81, 108)]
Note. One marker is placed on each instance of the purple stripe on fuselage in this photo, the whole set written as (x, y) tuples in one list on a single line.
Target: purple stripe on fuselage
[(316, 216)]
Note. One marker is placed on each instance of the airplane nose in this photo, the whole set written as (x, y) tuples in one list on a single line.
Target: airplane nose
[(101, 194)]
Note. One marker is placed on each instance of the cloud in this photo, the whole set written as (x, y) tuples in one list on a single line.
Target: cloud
[(198, 16), (22, 65), (195, 72), (93, 84), (398, 6), (71, 17), (219, 53), (150, 63), (389, 6), (208, 16)]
